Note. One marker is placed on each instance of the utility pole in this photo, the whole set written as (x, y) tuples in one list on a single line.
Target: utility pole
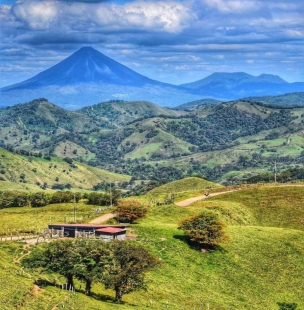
[(110, 194), (275, 171), (74, 208)]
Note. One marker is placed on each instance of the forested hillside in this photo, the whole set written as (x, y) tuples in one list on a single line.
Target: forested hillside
[(229, 142)]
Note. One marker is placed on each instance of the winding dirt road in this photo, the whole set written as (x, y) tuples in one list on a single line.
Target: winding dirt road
[(102, 218), (187, 202)]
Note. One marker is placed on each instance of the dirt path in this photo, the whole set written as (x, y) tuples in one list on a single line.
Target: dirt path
[(187, 202), (102, 218)]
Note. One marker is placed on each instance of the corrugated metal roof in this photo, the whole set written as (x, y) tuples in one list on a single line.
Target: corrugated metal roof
[(111, 230), (85, 225)]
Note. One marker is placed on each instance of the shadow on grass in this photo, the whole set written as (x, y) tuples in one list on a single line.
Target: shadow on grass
[(199, 247), (101, 297)]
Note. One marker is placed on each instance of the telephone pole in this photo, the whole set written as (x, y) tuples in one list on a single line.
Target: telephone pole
[(74, 208), (275, 171), (110, 194)]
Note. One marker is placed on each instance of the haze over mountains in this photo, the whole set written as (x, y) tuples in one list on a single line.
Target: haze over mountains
[(87, 77)]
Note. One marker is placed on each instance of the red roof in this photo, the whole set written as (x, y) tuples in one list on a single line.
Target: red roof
[(111, 230), (85, 225)]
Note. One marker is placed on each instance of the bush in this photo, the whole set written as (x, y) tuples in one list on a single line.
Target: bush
[(205, 229), (130, 211)]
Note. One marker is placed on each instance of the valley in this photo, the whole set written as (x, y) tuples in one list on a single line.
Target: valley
[(226, 143)]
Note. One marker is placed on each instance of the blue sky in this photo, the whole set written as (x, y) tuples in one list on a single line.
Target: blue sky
[(175, 41)]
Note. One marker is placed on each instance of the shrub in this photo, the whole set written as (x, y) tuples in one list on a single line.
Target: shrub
[(205, 229), (130, 211)]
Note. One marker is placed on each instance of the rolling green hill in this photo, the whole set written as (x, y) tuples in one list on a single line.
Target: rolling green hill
[(119, 113), (23, 172), (184, 185), (42, 116), (251, 272), (226, 143), (196, 105)]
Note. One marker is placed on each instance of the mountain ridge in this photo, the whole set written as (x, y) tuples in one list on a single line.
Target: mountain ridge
[(88, 76)]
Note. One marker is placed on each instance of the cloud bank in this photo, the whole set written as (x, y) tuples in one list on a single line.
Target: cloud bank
[(175, 41)]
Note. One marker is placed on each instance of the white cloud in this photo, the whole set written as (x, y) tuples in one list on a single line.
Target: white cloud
[(167, 16), (181, 33)]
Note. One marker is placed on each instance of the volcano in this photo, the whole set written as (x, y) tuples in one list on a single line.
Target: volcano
[(87, 77), (87, 65)]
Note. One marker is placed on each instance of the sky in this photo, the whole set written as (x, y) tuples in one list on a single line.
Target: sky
[(176, 41)]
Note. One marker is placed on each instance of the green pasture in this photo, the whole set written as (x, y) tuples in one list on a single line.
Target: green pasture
[(262, 265)]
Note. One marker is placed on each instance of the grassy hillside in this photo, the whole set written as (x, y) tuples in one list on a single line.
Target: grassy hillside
[(224, 143), (251, 272), (198, 104), (28, 172), (280, 207), (27, 219), (41, 115), (120, 113), (184, 185)]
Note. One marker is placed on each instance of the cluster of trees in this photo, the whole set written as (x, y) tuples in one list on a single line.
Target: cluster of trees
[(205, 230), (107, 198), (39, 199), (225, 124), (130, 210), (285, 176), (120, 266)]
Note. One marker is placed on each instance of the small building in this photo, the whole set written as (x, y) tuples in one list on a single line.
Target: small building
[(104, 232), (110, 233)]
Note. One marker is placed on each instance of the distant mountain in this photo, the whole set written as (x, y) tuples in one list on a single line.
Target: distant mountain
[(197, 104), (87, 77), (119, 113), (229, 86), (87, 65), (290, 99)]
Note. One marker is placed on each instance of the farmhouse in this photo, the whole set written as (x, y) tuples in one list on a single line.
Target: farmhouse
[(104, 232)]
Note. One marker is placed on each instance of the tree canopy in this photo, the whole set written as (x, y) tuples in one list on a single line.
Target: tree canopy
[(130, 211), (205, 229), (118, 265)]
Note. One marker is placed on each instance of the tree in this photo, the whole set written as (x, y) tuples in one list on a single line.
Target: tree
[(93, 261), (287, 306), (130, 264), (57, 256), (39, 199), (130, 211), (205, 229)]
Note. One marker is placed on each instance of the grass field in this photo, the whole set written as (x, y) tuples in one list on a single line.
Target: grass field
[(27, 219), (184, 185), (262, 265), (30, 173)]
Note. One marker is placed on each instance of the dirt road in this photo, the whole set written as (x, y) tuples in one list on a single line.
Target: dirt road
[(187, 202), (102, 218)]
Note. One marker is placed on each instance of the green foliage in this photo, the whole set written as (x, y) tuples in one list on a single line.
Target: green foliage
[(287, 306), (205, 229), (58, 256), (107, 198), (130, 211), (120, 266), (130, 264)]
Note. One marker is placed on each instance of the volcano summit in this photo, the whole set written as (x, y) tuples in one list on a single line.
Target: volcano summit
[(87, 77)]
